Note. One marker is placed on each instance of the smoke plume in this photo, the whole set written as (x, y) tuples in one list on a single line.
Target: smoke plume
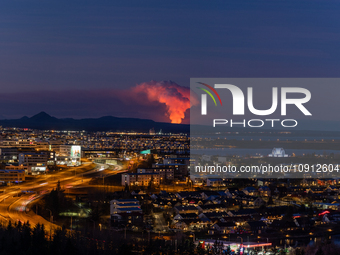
[(159, 101), (175, 97)]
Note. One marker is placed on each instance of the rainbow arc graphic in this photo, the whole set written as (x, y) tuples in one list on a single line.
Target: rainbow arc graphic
[(209, 93), (204, 97)]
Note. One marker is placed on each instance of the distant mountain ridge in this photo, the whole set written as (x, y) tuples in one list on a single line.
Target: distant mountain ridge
[(43, 120)]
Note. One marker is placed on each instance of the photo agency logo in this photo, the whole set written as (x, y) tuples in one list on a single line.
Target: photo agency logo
[(238, 98)]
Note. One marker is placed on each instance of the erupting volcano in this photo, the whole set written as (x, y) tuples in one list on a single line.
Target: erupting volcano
[(175, 97)]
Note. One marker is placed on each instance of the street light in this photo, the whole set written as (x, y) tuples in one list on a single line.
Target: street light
[(241, 245)]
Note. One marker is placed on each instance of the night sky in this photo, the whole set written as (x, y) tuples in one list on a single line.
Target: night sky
[(84, 58)]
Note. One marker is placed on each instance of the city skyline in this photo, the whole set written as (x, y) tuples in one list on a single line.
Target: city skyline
[(169, 127)]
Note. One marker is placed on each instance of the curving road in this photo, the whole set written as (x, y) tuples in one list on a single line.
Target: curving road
[(14, 200)]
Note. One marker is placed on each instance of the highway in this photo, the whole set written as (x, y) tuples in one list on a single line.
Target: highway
[(14, 202)]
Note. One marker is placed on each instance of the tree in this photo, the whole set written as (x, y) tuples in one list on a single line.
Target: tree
[(270, 201), (262, 209), (95, 213), (58, 186), (125, 249), (151, 186), (217, 248), (299, 251), (288, 214), (127, 188), (228, 250), (200, 250), (150, 160), (319, 251)]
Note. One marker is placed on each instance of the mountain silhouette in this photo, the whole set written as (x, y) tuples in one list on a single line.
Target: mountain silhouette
[(42, 116), (44, 121)]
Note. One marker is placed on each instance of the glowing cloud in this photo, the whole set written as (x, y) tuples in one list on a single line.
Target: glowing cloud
[(175, 97)]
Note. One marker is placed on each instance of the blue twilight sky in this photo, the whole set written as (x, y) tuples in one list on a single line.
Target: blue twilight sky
[(63, 46)]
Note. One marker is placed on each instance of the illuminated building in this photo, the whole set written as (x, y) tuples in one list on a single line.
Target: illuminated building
[(7, 175), (69, 155), (278, 153), (124, 206), (140, 179), (165, 173), (36, 162)]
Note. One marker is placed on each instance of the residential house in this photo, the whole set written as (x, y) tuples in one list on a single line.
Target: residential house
[(257, 227), (250, 191), (187, 209), (222, 228), (124, 206)]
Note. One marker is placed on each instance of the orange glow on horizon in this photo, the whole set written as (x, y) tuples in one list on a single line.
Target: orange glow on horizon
[(175, 97)]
